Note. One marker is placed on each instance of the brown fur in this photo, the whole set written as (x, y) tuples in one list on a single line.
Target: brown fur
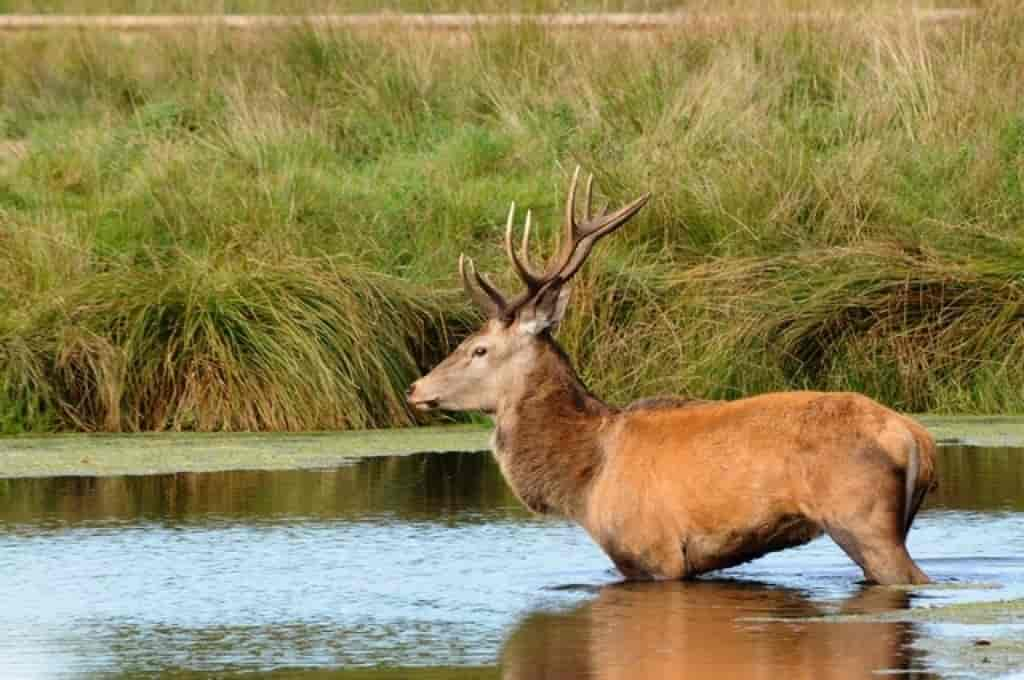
[(675, 489), (664, 401), (523, 444)]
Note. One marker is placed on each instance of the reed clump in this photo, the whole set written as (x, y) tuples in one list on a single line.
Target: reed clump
[(919, 329), (208, 229), (294, 345)]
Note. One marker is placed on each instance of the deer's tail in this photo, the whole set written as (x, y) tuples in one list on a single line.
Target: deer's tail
[(920, 474)]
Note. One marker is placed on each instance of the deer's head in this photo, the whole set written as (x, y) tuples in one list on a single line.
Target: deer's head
[(495, 360)]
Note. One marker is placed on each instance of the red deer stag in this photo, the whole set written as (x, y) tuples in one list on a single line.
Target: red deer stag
[(671, 488)]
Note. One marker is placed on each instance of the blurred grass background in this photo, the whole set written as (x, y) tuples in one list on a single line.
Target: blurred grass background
[(210, 229)]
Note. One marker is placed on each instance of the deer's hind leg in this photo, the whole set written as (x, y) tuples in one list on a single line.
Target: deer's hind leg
[(869, 527), (884, 559)]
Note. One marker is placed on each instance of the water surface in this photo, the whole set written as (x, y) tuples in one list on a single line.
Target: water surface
[(427, 567)]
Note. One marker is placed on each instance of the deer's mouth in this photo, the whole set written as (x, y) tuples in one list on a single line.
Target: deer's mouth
[(425, 404)]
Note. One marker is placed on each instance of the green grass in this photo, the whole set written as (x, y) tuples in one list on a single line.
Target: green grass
[(219, 230)]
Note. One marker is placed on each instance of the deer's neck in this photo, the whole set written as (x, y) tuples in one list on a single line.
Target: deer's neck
[(548, 435)]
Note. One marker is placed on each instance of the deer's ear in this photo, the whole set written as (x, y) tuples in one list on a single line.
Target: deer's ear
[(545, 312), (561, 304)]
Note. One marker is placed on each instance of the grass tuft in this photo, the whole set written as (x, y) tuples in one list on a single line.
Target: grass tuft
[(294, 345)]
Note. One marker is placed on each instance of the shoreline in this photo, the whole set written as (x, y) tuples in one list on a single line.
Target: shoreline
[(102, 455)]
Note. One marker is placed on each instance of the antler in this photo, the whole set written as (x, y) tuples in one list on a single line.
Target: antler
[(580, 238), (577, 242), (488, 298)]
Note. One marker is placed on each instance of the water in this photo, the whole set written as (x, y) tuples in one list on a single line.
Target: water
[(426, 567)]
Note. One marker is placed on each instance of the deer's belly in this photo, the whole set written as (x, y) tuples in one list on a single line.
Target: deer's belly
[(641, 552), (707, 552)]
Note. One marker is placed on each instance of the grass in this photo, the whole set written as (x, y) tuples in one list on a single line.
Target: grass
[(237, 345), (218, 230)]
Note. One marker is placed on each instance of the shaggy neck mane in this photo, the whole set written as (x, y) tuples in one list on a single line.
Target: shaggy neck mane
[(546, 436)]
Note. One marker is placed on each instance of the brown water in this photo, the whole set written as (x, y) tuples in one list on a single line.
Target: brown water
[(426, 567)]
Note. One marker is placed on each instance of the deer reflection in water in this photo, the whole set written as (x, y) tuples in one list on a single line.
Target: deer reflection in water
[(711, 629)]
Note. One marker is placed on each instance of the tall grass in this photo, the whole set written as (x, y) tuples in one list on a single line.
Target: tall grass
[(219, 230), (241, 345)]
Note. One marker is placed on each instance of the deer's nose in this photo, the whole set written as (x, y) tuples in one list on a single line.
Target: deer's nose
[(410, 392)]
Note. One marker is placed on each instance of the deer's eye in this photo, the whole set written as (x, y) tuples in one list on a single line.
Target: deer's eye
[(479, 351)]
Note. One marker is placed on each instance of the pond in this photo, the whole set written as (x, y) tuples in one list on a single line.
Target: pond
[(425, 566)]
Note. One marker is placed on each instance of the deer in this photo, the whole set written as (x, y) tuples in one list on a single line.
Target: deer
[(672, 488)]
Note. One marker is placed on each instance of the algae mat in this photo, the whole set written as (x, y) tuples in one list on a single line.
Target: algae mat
[(144, 454), (141, 454), (976, 430)]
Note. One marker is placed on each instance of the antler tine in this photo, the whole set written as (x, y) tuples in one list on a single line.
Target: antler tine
[(590, 195), (579, 239), (488, 298), (570, 236), (572, 228), (526, 238), (594, 231), (532, 280), (570, 206)]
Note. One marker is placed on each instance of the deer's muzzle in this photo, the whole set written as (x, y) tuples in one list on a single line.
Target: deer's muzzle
[(418, 402)]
